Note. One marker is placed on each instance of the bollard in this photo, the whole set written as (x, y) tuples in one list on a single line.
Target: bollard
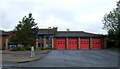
[(32, 51)]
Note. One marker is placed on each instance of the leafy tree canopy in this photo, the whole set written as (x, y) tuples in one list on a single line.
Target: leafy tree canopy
[(1, 30), (111, 23), (26, 31)]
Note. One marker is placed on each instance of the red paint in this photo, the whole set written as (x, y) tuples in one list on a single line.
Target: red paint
[(97, 43), (40, 41), (84, 43), (72, 44), (60, 44)]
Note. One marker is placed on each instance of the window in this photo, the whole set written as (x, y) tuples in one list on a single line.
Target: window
[(72, 42), (60, 42), (75, 42), (69, 42), (40, 45), (81, 42), (48, 45), (40, 38), (49, 37)]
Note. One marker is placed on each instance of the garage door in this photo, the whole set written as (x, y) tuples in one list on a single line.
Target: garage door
[(72, 44), (97, 43), (60, 44), (84, 44)]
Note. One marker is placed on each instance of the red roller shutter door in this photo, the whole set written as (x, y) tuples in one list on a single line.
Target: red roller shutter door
[(84, 43), (97, 43), (72, 44), (60, 44)]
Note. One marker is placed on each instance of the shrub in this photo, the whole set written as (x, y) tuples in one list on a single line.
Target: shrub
[(14, 50), (40, 48), (2, 48), (113, 48), (28, 48), (22, 49), (19, 49), (47, 48)]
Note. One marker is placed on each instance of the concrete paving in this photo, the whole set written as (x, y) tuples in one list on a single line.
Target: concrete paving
[(11, 58), (11, 61), (76, 58)]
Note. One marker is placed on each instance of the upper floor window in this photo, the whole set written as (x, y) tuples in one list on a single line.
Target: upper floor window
[(49, 37), (40, 37)]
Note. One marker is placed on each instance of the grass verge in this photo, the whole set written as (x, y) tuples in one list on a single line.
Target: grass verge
[(114, 48)]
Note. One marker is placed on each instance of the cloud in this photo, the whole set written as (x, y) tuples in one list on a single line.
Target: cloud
[(83, 15), (52, 21)]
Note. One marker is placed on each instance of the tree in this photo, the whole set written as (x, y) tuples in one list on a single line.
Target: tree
[(1, 30), (111, 23), (26, 31)]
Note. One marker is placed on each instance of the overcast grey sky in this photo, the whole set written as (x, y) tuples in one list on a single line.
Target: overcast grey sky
[(82, 15)]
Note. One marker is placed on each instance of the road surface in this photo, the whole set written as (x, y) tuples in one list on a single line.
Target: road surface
[(76, 58)]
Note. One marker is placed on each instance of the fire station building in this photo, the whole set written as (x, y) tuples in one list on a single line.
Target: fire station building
[(52, 38)]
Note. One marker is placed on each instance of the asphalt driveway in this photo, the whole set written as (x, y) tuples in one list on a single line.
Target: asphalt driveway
[(76, 58)]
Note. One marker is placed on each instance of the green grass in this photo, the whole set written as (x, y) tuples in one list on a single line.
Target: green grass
[(39, 48), (48, 48), (25, 49), (114, 48), (21, 49)]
